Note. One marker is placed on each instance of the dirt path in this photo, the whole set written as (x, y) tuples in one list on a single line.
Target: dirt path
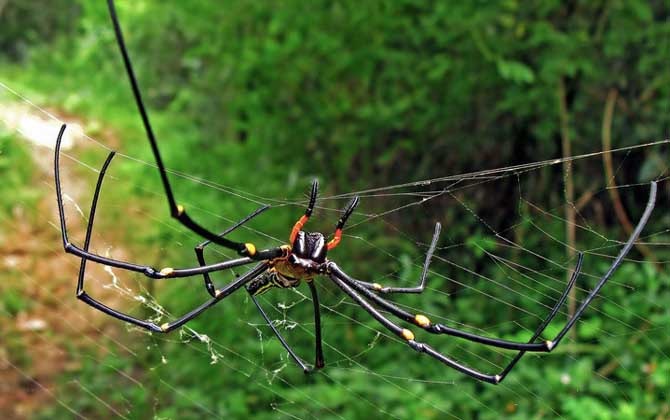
[(42, 325)]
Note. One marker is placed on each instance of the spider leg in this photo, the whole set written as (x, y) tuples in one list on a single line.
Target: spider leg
[(177, 211), (148, 271), (308, 212), (347, 212), (424, 272), (167, 327), (423, 322), (615, 265), (352, 286), (319, 362), (404, 333), (618, 260), (199, 249), (540, 329)]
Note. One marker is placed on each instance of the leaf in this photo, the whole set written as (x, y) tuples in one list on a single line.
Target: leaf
[(515, 71)]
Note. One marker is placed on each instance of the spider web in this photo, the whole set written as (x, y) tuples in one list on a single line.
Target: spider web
[(497, 267)]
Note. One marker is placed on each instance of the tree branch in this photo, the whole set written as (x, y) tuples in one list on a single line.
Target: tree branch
[(570, 211), (611, 177)]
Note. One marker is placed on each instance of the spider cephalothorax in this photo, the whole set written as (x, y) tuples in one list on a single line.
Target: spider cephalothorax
[(304, 261), (303, 258), (308, 248)]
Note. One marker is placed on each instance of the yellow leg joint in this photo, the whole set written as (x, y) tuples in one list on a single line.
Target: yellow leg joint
[(407, 334), (251, 249), (377, 286), (167, 271), (287, 249), (165, 326), (422, 320), (217, 293), (180, 209)]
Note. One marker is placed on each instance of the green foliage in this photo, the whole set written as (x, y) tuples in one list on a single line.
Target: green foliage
[(16, 171), (12, 302), (25, 24)]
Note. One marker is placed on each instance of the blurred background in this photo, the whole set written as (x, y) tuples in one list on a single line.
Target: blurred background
[(495, 119)]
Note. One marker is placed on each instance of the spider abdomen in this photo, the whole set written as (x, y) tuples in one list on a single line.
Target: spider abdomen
[(294, 271), (269, 279)]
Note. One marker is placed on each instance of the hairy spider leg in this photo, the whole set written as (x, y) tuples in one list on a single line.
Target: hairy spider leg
[(351, 286), (177, 211), (308, 212), (340, 223), (319, 361), (167, 272)]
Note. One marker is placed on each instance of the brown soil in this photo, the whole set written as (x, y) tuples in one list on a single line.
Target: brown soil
[(42, 339)]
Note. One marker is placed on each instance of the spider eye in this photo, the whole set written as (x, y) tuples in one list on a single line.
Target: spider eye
[(319, 250), (300, 245)]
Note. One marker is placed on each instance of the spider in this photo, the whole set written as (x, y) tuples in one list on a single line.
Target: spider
[(304, 258)]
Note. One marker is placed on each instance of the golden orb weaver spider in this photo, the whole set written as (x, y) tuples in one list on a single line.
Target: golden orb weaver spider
[(305, 258)]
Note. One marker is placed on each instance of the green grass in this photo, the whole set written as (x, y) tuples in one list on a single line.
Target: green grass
[(16, 172)]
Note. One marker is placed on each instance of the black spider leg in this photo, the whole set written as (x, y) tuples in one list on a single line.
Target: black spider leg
[(177, 211), (594, 292), (166, 327), (399, 331), (347, 284), (617, 262), (423, 321), (312, 197), (199, 249), (148, 271), (540, 329), (319, 361), (424, 272), (425, 324)]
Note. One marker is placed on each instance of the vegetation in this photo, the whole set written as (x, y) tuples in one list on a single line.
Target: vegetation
[(265, 96)]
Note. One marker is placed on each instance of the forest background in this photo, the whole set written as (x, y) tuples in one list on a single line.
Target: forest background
[(262, 97)]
